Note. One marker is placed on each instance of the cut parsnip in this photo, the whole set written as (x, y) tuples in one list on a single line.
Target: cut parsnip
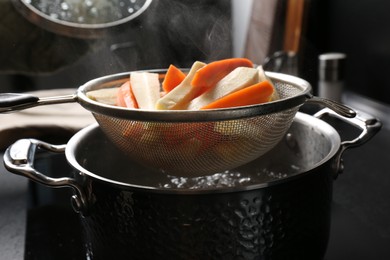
[(238, 79), (262, 77), (180, 96), (146, 89), (106, 95)]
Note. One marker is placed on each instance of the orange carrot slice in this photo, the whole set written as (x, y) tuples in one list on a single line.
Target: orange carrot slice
[(173, 78), (125, 96), (208, 76), (255, 94)]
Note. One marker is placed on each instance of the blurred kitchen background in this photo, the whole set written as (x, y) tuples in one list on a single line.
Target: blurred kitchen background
[(180, 32)]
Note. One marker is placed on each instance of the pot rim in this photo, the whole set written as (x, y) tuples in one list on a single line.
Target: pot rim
[(315, 123)]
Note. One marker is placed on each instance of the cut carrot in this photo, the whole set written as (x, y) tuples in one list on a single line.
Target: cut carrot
[(208, 76), (173, 78), (125, 96), (255, 94)]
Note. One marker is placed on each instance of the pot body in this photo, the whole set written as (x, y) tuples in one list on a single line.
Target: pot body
[(287, 218), (287, 221), (278, 207)]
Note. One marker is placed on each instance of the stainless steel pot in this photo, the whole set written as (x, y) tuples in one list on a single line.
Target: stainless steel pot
[(81, 19), (276, 207)]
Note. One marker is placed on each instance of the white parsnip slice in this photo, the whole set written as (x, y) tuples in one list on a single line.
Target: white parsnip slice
[(262, 77), (238, 79), (180, 96), (146, 89), (106, 95)]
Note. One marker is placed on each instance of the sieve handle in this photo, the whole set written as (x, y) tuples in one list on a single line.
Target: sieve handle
[(368, 125), (19, 159), (10, 102)]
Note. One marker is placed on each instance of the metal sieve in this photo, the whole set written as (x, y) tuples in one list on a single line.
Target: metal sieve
[(190, 143)]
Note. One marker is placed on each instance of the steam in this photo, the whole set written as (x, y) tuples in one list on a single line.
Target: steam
[(175, 32), (186, 31)]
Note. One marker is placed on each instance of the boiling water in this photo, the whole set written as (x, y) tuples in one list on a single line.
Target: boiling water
[(275, 165), (256, 172), (87, 11), (290, 157), (268, 168), (226, 179)]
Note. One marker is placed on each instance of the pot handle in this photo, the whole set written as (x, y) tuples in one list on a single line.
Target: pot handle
[(369, 125), (10, 102), (337, 107), (19, 159)]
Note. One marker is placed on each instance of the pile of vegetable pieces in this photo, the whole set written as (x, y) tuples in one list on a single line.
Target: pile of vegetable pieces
[(220, 84)]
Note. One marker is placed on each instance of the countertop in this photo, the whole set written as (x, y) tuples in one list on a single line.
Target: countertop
[(361, 200)]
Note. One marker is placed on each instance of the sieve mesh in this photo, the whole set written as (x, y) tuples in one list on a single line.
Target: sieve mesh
[(196, 148)]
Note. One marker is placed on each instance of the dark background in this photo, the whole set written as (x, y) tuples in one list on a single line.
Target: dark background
[(180, 32), (361, 29)]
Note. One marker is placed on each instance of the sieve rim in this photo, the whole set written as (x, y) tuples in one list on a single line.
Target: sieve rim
[(176, 116)]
